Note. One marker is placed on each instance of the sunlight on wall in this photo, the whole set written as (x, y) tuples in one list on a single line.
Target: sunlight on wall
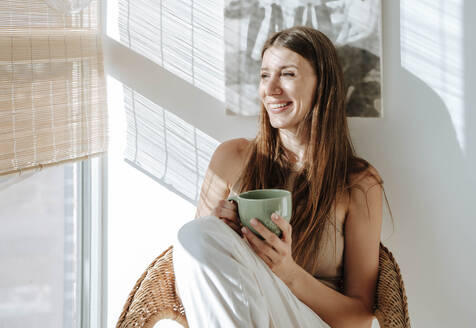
[(431, 37), (184, 37), (143, 214), (165, 147)]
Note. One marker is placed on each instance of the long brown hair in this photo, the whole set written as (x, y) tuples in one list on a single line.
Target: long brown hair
[(329, 157)]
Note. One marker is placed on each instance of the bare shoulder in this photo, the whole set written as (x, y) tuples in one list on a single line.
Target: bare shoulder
[(229, 158), (365, 189), (222, 170), (234, 146), (231, 150), (365, 179)]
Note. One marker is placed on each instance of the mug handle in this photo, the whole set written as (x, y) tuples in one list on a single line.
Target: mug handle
[(233, 198)]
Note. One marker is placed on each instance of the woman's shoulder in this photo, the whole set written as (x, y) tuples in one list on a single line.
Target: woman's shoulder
[(235, 146), (233, 149), (365, 186), (364, 176), (229, 158)]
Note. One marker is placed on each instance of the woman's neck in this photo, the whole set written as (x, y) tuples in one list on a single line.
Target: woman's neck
[(294, 147)]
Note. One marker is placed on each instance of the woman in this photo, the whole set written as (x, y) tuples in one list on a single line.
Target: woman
[(322, 271)]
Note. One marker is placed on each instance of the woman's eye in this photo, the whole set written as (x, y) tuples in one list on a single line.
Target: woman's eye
[(266, 75)]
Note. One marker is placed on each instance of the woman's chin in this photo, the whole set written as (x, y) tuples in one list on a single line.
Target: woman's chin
[(278, 124), (281, 120)]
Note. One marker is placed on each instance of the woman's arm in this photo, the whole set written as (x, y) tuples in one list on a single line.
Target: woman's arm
[(224, 169), (362, 237)]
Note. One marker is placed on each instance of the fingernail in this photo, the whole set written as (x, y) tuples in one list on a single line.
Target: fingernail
[(253, 221), (274, 216), (243, 230)]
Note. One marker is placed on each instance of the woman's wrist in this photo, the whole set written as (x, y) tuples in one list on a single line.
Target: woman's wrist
[(294, 276)]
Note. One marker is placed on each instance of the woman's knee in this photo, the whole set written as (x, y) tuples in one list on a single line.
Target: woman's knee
[(199, 236), (197, 228)]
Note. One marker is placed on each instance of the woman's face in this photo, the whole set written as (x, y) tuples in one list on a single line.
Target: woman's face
[(286, 88)]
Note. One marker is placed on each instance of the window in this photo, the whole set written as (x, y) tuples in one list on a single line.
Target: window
[(40, 248), (51, 246)]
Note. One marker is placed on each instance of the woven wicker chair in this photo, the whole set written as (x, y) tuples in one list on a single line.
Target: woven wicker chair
[(153, 297)]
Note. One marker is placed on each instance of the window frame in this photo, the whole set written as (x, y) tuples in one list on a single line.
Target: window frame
[(92, 282)]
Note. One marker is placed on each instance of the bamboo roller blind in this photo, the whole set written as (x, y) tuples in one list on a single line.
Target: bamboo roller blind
[(52, 88)]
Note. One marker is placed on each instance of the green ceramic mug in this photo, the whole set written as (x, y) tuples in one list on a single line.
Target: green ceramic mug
[(260, 204)]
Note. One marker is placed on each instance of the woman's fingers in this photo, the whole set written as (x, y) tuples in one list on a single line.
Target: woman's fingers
[(261, 248), (222, 212), (228, 214), (228, 204), (267, 234), (227, 211), (284, 225), (257, 245), (234, 226), (272, 244)]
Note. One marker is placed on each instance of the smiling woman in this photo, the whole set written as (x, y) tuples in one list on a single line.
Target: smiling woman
[(322, 271)]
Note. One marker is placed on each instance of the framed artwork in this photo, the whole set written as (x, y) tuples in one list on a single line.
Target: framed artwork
[(354, 26)]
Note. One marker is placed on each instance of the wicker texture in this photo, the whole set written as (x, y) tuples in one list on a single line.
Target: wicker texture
[(153, 298), (390, 298)]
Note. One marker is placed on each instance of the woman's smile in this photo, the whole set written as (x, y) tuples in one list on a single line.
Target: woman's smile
[(277, 108)]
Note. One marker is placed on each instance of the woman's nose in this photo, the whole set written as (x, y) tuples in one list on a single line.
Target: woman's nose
[(273, 87)]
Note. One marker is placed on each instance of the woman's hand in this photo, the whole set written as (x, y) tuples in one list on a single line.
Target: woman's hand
[(276, 252), (227, 211)]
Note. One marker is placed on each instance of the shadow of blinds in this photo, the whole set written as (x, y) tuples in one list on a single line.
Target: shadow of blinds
[(165, 147), (183, 36)]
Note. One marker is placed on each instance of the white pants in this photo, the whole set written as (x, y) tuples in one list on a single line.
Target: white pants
[(223, 283)]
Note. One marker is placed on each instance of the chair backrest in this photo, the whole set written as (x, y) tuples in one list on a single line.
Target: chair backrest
[(153, 297), (391, 307)]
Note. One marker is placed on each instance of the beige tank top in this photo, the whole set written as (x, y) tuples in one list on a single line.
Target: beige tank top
[(331, 252)]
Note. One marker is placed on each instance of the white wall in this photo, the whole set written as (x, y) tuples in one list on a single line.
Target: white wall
[(424, 146), (429, 176)]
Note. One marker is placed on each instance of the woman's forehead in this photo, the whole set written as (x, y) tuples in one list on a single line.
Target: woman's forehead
[(277, 57)]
